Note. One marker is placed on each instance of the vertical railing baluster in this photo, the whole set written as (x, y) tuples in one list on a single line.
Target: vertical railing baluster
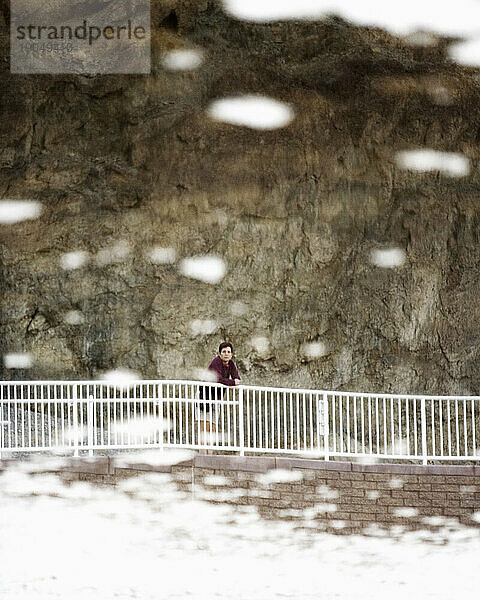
[(240, 422), (326, 427), (424, 431)]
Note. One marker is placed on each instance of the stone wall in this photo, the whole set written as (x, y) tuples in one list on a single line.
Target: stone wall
[(123, 164), (332, 496)]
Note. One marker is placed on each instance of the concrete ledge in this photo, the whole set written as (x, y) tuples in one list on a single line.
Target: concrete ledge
[(106, 465), (255, 464), (308, 463)]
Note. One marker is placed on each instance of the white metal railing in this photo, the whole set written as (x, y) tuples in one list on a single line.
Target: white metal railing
[(89, 416)]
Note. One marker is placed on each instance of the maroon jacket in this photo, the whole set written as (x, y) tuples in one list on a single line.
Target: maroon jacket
[(225, 374)]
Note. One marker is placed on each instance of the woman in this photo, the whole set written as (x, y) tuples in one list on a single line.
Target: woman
[(224, 371)]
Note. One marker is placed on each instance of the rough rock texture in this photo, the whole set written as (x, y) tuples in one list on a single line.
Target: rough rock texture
[(294, 212)]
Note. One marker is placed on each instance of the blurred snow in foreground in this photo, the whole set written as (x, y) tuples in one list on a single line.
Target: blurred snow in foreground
[(388, 257), (121, 377), (257, 112), (182, 60), (466, 53), (74, 317), (449, 163), (402, 18), (208, 268), (21, 360), (146, 539), (14, 211), (202, 326), (115, 254), (313, 349), (260, 344), (73, 260), (162, 256)]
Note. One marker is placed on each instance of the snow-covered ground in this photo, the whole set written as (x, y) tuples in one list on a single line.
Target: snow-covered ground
[(148, 540)]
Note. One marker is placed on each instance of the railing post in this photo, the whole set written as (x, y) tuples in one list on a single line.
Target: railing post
[(241, 432), (424, 431), (90, 406), (160, 413), (326, 430), (75, 419)]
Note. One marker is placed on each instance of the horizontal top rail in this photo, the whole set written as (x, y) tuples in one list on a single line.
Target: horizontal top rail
[(132, 383)]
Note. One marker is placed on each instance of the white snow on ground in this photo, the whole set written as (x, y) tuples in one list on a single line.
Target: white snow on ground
[(257, 112), (14, 211), (450, 164), (146, 540)]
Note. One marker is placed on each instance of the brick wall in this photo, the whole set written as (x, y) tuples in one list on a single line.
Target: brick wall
[(340, 497)]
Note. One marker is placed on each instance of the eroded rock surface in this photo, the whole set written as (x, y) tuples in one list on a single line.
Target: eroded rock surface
[(295, 212)]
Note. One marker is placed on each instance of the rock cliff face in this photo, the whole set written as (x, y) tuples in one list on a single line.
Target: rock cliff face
[(122, 164)]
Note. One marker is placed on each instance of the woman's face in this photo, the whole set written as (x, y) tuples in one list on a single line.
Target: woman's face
[(226, 354)]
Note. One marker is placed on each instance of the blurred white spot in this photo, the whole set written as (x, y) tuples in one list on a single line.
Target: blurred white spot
[(162, 256), (155, 458), (253, 111), (372, 494), (436, 521), (325, 508), (273, 10), (73, 260), (449, 163), (388, 257), (260, 344), (366, 459), (202, 326), (326, 493), (143, 428), (440, 95), (279, 476), (182, 60), (395, 483), (467, 489), (406, 513), (314, 349), (74, 317), (476, 517), (448, 18), (421, 38), (238, 308), (116, 253), (335, 524), (205, 375), (122, 377), (208, 268), (220, 495), (215, 480), (18, 361), (374, 530), (14, 211), (466, 53)]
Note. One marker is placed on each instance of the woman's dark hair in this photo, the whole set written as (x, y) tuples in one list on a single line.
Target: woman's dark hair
[(225, 345)]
